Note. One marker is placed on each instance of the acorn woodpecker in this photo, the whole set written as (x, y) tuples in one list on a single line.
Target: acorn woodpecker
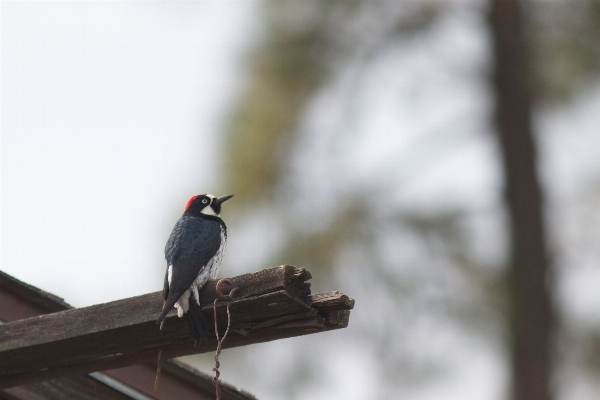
[(193, 252)]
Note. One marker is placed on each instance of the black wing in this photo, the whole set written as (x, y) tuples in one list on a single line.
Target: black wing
[(193, 242), (166, 285)]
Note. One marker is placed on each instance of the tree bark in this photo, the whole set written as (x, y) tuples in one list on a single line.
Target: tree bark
[(531, 315)]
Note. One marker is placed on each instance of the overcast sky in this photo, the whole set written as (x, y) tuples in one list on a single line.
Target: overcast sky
[(110, 117)]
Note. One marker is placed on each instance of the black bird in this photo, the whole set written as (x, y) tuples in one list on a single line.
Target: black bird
[(193, 252)]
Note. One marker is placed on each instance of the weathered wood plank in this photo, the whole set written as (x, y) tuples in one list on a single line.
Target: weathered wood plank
[(272, 304), (285, 277)]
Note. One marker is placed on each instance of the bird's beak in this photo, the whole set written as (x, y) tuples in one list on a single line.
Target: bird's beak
[(222, 199)]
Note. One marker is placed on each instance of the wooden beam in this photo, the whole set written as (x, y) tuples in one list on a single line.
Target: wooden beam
[(19, 300), (270, 304)]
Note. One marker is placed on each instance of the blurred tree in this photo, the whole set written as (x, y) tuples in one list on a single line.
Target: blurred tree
[(562, 39), (304, 43), (540, 53), (285, 71), (531, 315)]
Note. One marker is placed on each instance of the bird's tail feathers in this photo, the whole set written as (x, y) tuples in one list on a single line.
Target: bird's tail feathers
[(167, 306), (197, 321)]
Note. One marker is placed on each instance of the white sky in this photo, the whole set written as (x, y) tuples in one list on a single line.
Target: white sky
[(110, 116)]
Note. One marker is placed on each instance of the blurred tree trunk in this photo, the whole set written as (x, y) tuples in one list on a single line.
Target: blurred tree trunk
[(531, 315)]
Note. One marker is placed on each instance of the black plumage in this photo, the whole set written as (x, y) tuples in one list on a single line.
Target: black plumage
[(193, 253)]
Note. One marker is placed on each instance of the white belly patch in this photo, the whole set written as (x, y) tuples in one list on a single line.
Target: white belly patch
[(210, 270)]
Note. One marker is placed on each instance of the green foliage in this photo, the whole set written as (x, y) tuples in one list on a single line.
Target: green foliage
[(565, 46), (285, 71), (304, 42)]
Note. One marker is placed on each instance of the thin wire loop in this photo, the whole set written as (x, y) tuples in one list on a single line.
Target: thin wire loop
[(228, 299)]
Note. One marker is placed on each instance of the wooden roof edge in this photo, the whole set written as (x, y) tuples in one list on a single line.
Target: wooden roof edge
[(46, 300), (202, 380), (120, 386)]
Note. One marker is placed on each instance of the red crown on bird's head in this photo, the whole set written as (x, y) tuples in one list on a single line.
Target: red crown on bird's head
[(189, 203)]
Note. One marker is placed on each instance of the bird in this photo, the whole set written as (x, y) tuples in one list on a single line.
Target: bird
[(193, 252)]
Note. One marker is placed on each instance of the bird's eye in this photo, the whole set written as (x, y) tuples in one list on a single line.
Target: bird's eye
[(204, 201)]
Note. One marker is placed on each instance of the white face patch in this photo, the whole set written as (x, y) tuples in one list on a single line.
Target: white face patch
[(208, 209)]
